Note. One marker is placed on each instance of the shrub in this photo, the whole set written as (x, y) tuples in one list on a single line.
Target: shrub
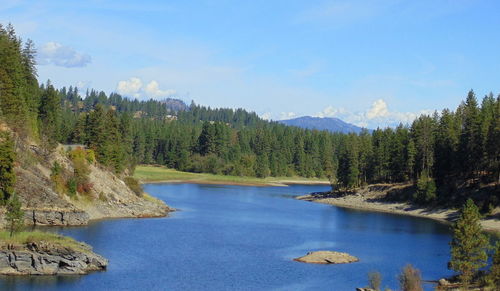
[(102, 197), (57, 178), (374, 280), (410, 279), (426, 189), (14, 215), (90, 156), (134, 185), (72, 187), (81, 170)]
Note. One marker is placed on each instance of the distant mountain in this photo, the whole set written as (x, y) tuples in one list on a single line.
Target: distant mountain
[(174, 105), (323, 123)]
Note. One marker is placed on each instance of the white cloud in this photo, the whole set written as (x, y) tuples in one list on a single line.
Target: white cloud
[(378, 115), (130, 87), (53, 53), (378, 109), (266, 116), (152, 89), (287, 115), (83, 85), (330, 111), (134, 87)]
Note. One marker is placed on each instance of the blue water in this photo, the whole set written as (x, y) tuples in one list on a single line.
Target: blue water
[(244, 238)]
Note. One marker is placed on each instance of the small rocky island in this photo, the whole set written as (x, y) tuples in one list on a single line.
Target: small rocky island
[(327, 257), (48, 254)]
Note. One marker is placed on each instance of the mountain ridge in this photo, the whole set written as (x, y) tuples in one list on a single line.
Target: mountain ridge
[(331, 124)]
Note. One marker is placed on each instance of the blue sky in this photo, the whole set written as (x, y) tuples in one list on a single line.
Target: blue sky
[(372, 63)]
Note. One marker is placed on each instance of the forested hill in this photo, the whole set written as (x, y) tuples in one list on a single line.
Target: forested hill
[(150, 108), (323, 123), (440, 154)]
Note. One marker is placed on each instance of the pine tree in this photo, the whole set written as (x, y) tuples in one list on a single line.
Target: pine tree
[(12, 81), (469, 243), (206, 141), (493, 140), (7, 174), (50, 115), (14, 215), (470, 139)]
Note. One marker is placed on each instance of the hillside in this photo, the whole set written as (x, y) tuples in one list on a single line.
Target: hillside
[(45, 203), (323, 123)]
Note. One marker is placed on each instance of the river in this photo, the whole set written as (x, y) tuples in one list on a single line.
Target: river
[(245, 238)]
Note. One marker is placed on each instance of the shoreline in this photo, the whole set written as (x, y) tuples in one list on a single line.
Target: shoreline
[(365, 203), (150, 174), (278, 183)]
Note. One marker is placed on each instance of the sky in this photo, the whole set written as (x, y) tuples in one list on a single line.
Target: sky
[(372, 63)]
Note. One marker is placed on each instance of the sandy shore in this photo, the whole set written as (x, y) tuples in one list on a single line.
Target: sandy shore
[(372, 202)]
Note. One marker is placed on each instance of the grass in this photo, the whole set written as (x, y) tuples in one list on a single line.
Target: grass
[(147, 173), (152, 199), (22, 238)]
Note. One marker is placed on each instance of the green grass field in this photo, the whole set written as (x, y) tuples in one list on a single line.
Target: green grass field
[(146, 173)]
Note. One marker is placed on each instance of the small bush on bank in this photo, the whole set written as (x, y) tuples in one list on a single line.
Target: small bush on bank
[(426, 189), (375, 280), (57, 177), (410, 279), (81, 167), (134, 185)]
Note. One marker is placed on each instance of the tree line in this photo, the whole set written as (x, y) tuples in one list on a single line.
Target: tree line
[(439, 153)]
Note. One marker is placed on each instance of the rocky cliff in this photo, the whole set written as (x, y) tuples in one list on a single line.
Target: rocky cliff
[(47, 259)]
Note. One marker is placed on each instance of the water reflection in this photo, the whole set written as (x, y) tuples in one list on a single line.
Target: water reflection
[(17, 283)]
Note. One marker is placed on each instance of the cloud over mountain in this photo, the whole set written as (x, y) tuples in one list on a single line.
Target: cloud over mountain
[(134, 87)]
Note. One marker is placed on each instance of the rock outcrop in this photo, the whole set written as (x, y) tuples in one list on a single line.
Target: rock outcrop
[(327, 257), (46, 259)]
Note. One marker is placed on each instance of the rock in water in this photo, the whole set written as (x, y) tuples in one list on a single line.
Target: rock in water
[(327, 257)]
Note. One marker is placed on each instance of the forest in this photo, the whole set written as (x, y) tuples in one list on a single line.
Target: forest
[(440, 154)]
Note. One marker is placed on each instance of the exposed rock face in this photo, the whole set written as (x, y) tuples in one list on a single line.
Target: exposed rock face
[(38, 259), (53, 217), (327, 257), (365, 289)]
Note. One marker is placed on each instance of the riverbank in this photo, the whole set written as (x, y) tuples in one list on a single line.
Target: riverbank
[(158, 174), (372, 198)]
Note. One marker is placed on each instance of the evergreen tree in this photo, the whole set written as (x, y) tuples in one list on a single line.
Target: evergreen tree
[(7, 174), (469, 243), (470, 139), (50, 115), (206, 141), (14, 215), (12, 81)]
